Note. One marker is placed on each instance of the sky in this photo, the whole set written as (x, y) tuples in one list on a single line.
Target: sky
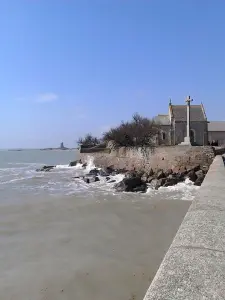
[(69, 67)]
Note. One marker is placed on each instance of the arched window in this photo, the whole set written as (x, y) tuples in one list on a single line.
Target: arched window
[(163, 134), (192, 135)]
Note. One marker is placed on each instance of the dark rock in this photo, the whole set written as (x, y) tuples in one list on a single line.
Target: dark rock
[(199, 181), (150, 178), (141, 188), (45, 169), (90, 179), (103, 173), (94, 172), (111, 181), (84, 165), (74, 163), (170, 182), (114, 173), (76, 177), (128, 184), (168, 172), (151, 172), (107, 178), (131, 174), (192, 176), (144, 178), (196, 168), (199, 173), (160, 174)]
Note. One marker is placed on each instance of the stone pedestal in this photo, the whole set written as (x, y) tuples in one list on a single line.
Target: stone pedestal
[(186, 142)]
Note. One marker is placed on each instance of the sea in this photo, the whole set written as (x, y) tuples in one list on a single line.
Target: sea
[(61, 238)]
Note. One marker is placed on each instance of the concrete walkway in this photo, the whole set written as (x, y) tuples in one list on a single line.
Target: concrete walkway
[(194, 266)]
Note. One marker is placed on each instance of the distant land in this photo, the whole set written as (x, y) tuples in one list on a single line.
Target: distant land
[(61, 147)]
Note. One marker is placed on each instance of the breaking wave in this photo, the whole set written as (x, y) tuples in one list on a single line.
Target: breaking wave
[(64, 180)]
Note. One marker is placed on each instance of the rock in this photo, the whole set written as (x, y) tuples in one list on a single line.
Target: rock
[(160, 174), (180, 177), (168, 172), (151, 172), (107, 178), (142, 188), (94, 172), (170, 182), (74, 163), (157, 183), (199, 181), (76, 177), (84, 165), (90, 179), (192, 176), (196, 168), (102, 173), (150, 178), (199, 173), (129, 184), (131, 174), (45, 169), (144, 178), (111, 181)]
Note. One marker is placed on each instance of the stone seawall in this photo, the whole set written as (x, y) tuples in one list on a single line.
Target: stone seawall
[(156, 158), (194, 266)]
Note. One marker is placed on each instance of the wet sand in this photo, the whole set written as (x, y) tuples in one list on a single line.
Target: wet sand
[(80, 249)]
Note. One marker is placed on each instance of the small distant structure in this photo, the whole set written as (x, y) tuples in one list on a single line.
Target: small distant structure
[(62, 147)]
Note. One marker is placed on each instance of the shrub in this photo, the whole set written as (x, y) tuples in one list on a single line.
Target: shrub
[(89, 140), (138, 132)]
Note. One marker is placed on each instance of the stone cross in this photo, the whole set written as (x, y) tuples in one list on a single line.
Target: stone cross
[(188, 101)]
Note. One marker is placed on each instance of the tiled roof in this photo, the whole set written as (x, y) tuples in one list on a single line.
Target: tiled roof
[(162, 119), (216, 126), (180, 113)]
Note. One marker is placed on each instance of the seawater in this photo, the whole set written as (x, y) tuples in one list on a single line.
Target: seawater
[(61, 238)]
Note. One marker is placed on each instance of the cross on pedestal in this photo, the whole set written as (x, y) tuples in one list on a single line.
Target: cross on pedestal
[(187, 140)]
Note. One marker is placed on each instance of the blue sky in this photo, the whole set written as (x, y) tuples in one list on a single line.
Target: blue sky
[(68, 67)]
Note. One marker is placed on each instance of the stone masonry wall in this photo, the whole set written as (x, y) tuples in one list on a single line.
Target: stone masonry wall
[(156, 158)]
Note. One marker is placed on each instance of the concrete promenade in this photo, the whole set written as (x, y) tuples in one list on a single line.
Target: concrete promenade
[(194, 266)]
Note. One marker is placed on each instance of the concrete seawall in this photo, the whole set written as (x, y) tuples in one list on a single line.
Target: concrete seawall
[(194, 266)]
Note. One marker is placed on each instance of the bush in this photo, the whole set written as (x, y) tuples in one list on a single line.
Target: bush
[(138, 132), (89, 140)]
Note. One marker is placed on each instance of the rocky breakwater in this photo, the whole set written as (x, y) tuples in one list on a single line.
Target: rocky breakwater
[(136, 181)]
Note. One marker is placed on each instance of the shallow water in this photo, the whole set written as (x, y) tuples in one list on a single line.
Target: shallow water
[(63, 239)]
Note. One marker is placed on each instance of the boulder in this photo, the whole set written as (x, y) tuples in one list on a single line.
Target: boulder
[(150, 178), (129, 184), (160, 174), (74, 163), (168, 172), (111, 181), (103, 173), (90, 179), (199, 181), (141, 188), (192, 176), (131, 174), (151, 172), (84, 165), (144, 177), (94, 172), (45, 169), (199, 173), (157, 183), (170, 182)]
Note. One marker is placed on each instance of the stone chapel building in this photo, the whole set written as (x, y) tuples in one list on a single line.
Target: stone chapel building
[(201, 131)]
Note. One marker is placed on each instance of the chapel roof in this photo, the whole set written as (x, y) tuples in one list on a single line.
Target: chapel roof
[(197, 113)]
